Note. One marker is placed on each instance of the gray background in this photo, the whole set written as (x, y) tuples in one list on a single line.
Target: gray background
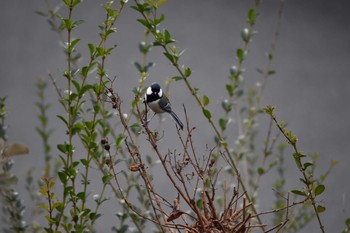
[(310, 89)]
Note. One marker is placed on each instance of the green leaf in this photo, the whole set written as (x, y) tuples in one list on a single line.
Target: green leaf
[(167, 37), (84, 89), (63, 119), (74, 43), (261, 171), (100, 51), (91, 49), (200, 203), (205, 100), (76, 85), (229, 89), (347, 222), (207, 114), (67, 2), (94, 216), (145, 23), (106, 178), (307, 164), (251, 16), (321, 209), (75, 2), (141, 7), (89, 124), (319, 189), (67, 24), (170, 57), (63, 177), (269, 56), (222, 123), (136, 128), (297, 158), (224, 143), (81, 195), (177, 78), (240, 55), (271, 72), (85, 162), (159, 20), (188, 72), (120, 139), (62, 148), (298, 192)]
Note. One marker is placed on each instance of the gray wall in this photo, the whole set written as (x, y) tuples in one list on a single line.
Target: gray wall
[(311, 88)]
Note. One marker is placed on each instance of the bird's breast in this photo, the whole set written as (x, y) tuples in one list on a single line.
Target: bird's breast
[(154, 105)]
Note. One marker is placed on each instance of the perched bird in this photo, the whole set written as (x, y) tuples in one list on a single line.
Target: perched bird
[(159, 103)]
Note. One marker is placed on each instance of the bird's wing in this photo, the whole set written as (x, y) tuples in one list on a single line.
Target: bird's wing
[(164, 103)]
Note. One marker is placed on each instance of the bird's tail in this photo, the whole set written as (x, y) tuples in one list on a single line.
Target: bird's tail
[(176, 119)]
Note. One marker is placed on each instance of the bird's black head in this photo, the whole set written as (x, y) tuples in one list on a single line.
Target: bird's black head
[(154, 92), (155, 87)]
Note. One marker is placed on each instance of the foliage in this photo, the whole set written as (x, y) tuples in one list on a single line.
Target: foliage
[(201, 176)]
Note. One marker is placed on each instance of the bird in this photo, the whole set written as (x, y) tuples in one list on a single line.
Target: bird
[(159, 103)]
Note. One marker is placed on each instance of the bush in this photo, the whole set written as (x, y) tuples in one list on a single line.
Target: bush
[(215, 187)]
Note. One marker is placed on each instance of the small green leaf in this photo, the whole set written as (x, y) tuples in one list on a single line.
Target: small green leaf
[(67, 2), (319, 189), (298, 192), (76, 85), (222, 123), (167, 37), (159, 20), (85, 162), (170, 57), (63, 177), (75, 2), (240, 55), (307, 164), (261, 171), (205, 100), (297, 158), (226, 105), (63, 119), (200, 203), (145, 23), (176, 78), (188, 72), (84, 89), (347, 222), (62, 148), (334, 162), (224, 143), (251, 16), (321, 209), (74, 43), (136, 128), (91, 49), (106, 178), (271, 72), (120, 139), (207, 114), (229, 89), (269, 56)]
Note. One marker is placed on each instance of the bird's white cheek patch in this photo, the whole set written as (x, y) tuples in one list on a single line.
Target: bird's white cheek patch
[(160, 93), (149, 91)]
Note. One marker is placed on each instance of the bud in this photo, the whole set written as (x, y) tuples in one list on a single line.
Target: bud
[(246, 35)]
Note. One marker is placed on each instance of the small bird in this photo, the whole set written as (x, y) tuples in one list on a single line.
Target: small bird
[(159, 103)]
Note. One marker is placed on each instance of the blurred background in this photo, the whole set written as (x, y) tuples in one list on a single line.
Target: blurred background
[(311, 87)]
